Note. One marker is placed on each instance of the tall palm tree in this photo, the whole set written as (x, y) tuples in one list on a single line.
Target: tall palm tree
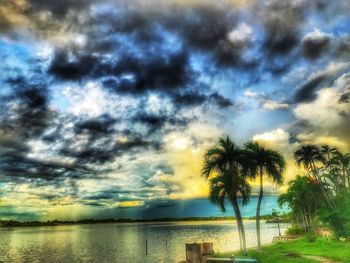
[(223, 167), (309, 156), (343, 162), (268, 162)]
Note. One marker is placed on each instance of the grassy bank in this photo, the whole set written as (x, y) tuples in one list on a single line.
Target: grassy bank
[(298, 250)]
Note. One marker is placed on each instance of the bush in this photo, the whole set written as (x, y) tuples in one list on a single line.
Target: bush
[(295, 230), (310, 236)]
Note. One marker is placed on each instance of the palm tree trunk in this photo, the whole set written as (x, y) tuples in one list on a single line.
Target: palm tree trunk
[(329, 201), (309, 214), (239, 232), (304, 220), (261, 192), (239, 224)]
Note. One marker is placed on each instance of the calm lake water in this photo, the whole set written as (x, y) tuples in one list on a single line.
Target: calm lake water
[(122, 243)]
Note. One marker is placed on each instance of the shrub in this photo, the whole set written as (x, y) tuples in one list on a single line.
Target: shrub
[(295, 230), (310, 236)]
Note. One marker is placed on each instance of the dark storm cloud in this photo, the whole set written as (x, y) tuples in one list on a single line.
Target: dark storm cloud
[(128, 74), (100, 150), (189, 98), (59, 9), (154, 64), (342, 47), (25, 116), (99, 126), (25, 111), (83, 64), (282, 21), (155, 122), (220, 100), (206, 28), (314, 45), (15, 163), (307, 91), (344, 98), (192, 98)]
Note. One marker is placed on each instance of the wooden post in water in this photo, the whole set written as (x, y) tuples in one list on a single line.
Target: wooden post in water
[(146, 247)]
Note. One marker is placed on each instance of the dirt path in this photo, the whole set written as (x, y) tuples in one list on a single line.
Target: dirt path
[(321, 259)]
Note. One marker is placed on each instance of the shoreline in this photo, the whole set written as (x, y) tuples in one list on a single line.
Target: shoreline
[(11, 223)]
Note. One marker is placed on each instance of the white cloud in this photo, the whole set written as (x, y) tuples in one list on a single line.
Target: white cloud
[(274, 105), (92, 100), (251, 94), (315, 35), (324, 112), (277, 135), (241, 34)]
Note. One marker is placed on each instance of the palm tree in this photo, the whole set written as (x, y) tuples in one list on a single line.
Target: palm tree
[(343, 162), (268, 162), (330, 173), (309, 156), (328, 152), (303, 197), (223, 167)]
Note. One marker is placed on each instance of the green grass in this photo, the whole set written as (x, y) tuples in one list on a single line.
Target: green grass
[(292, 251)]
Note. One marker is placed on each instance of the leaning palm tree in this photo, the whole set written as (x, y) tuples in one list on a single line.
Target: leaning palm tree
[(268, 162), (223, 166), (309, 156)]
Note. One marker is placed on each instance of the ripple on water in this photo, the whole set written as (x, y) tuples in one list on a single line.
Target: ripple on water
[(122, 242)]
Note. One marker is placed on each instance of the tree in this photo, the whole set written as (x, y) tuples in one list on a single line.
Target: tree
[(342, 161), (223, 167), (268, 162), (303, 197), (331, 174), (310, 157)]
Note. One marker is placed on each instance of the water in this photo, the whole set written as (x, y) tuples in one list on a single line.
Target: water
[(122, 243)]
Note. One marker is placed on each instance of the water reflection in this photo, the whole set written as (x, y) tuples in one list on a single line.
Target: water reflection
[(122, 242)]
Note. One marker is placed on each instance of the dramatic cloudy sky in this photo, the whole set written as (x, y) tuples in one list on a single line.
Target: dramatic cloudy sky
[(110, 104)]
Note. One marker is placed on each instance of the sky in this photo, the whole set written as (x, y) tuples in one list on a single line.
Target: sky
[(109, 105)]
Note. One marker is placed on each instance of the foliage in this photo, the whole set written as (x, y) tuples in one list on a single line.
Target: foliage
[(324, 194), (339, 218), (310, 236), (295, 230), (303, 197)]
